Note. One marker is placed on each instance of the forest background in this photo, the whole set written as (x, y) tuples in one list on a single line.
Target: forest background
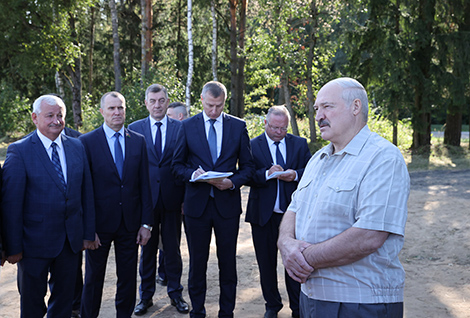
[(413, 57)]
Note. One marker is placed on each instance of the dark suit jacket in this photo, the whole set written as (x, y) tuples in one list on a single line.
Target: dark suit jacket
[(263, 193), (37, 214), (162, 182), (72, 132), (192, 151), (116, 199)]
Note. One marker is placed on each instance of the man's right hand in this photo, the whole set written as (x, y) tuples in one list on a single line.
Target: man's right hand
[(293, 259), (13, 259)]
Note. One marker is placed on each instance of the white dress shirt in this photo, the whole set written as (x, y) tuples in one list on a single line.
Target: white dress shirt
[(110, 138), (163, 128), (46, 142)]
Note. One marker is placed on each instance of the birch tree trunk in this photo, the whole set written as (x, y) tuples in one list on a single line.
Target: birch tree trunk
[(76, 78), (312, 42), (190, 56), (214, 42), (116, 46), (146, 8)]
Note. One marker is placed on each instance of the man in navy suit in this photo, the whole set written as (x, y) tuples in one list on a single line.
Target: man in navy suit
[(160, 133), (48, 212), (269, 198), (119, 168), (213, 141)]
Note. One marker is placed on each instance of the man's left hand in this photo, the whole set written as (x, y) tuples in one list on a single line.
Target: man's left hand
[(288, 176), (223, 184), (143, 236)]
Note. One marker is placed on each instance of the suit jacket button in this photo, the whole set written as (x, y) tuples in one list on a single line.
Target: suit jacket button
[(120, 203)]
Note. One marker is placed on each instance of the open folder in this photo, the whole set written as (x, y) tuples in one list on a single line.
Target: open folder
[(211, 175)]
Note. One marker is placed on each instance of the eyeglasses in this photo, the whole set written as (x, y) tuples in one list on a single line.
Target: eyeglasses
[(282, 129), (161, 101)]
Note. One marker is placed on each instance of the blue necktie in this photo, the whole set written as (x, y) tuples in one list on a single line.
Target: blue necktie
[(213, 141), (57, 165), (158, 141), (282, 195), (118, 158)]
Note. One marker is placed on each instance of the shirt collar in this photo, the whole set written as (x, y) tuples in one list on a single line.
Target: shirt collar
[(163, 121), (353, 148), (271, 142), (47, 142), (110, 132), (206, 118)]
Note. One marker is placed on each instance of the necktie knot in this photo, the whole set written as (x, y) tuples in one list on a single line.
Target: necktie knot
[(117, 135), (159, 124), (277, 143), (212, 121)]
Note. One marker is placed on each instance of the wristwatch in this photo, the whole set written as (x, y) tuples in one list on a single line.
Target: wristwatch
[(148, 227)]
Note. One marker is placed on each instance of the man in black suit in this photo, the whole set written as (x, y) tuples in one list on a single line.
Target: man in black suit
[(274, 151), (160, 133), (119, 169), (213, 141)]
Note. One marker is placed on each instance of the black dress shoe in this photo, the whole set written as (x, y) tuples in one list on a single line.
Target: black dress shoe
[(270, 314), (161, 281), (142, 307), (180, 304)]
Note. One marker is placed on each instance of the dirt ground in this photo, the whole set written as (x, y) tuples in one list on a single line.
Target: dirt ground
[(436, 258)]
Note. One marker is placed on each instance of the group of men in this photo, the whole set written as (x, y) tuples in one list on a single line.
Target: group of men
[(337, 218)]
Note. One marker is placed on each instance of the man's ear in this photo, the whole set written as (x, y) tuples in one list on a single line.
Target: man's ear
[(357, 106)]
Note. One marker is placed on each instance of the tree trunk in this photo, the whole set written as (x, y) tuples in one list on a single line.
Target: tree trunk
[(233, 58), (285, 88), (241, 61), (90, 52), (116, 46), (312, 42), (76, 79), (421, 117), (146, 7), (190, 56), (214, 41)]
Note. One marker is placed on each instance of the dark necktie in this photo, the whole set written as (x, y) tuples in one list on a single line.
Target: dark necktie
[(118, 158), (158, 141), (282, 195), (213, 140), (57, 165)]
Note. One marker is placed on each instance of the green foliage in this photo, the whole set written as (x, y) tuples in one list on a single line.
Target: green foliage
[(15, 114)]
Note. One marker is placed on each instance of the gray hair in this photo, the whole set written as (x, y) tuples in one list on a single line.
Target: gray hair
[(278, 110), (180, 108), (215, 89), (50, 100), (113, 94), (353, 90), (156, 88)]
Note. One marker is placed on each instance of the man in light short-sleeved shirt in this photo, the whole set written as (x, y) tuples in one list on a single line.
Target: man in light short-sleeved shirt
[(345, 225)]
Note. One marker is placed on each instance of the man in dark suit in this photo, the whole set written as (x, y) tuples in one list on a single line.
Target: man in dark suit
[(160, 133), (119, 168), (213, 141), (274, 151), (48, 212)]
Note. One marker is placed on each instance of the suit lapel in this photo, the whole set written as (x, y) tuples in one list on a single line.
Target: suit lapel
[(45, 160), (148, 136), (201, 128), (170, 130), (103, 144), (289, 150), (71, 156), (264, 148), (226, 127)]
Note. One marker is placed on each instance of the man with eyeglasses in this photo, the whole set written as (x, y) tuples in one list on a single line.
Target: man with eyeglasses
[(160, 133), (275, 153)]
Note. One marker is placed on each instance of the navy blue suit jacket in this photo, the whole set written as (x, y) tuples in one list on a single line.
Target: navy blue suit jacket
[(162, 182), (117, 199), (263, 193), (38, 215), (192, 151)]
